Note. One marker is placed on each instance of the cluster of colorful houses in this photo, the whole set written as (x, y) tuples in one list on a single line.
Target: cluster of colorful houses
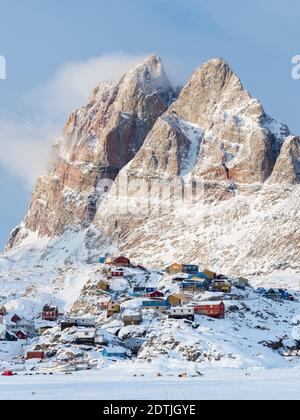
[(185, 304)]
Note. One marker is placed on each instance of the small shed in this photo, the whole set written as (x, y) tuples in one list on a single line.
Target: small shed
[(114, 352), (174, 268), (3, 311)]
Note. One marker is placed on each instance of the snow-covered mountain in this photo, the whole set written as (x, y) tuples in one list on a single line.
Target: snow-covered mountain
[(203, 175)]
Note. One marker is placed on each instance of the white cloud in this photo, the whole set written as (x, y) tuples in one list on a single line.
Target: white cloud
[(25, 146), (25, 143), (73, 83)]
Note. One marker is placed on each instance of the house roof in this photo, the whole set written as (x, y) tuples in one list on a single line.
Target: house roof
[(115, 350)]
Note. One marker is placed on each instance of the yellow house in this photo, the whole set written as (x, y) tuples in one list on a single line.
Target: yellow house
[(210, 274), (113, 309), (175, 300), (103, 285), (174, 268)]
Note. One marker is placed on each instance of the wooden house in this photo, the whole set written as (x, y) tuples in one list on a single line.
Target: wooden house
[(85, 336), (116, 274), (211, 309), (190, 269), (222, 286), (132, 318), (35, 355), (114, 352), (175, 300), (50, 313), (194, 286), (182, 313), (174, 268), (103, 286), (154, 295), (210, 274), (103, 303), (156, 304), (21, 335), (69, 322), (122, 262), (15, 319), (113, 309)]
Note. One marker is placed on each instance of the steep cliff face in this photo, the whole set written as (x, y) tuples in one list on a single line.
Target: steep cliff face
[(98, 141)]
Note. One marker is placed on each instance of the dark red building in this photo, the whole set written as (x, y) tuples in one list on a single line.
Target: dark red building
[(211, 309), (122, 262), (155, 295), (50, 313), (15, 319), (21, 335)]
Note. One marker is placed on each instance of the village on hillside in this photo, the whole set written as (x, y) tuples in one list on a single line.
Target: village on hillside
[(116, 316)]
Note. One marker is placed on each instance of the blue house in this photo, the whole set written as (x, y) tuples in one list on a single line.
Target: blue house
[(156, 304), (190, 269), (114, 352), (201, 275), (102, 260), (195, 285)]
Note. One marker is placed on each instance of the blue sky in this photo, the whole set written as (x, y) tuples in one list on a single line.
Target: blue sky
[(49, 44)]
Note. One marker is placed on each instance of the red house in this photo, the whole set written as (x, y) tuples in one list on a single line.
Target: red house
[(211, 309), (50, 313), (15, 319), (122, 262), (155, 295), (35, 355), (117, 273), (21, 335)]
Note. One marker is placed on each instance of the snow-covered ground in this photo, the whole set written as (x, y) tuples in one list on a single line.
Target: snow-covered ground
[(103, 385)]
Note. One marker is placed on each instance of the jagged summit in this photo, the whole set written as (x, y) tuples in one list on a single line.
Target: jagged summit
[(214, 131)]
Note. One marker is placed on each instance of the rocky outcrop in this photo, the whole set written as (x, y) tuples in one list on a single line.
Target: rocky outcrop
[(287, 168), (98, 141)]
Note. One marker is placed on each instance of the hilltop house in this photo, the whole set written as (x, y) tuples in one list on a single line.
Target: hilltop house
[(210, 274)]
